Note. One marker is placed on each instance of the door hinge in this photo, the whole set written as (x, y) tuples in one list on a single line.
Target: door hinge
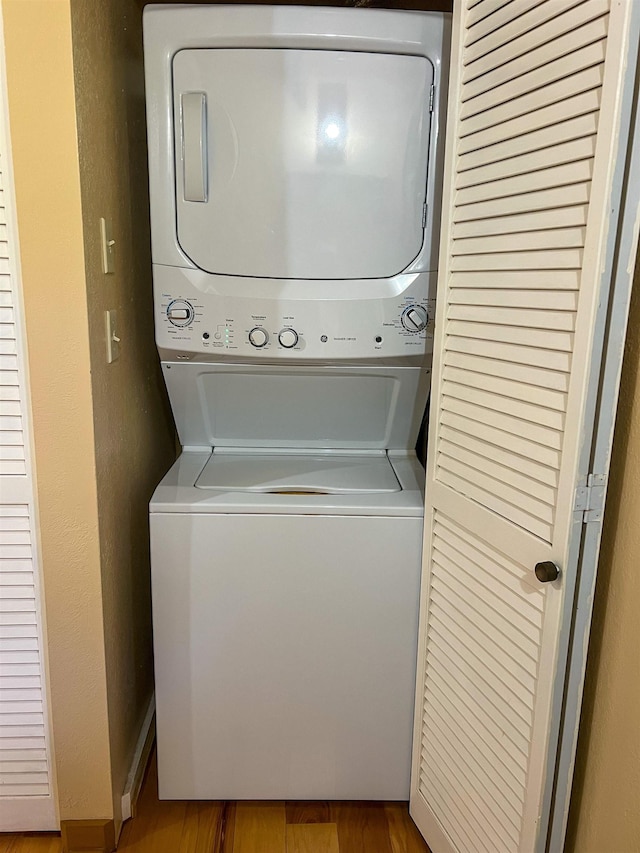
[(432, 93), (590, 498), (424, 214)]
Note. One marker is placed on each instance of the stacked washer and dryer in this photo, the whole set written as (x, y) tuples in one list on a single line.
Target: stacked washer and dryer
[(294, 157)]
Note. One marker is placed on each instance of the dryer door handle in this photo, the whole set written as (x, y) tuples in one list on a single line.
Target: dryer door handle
[(194, 145)]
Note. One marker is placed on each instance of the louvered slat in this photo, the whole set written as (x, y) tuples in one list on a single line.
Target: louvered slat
[(487, 20), (515, 41), (511, 405), (469, 753), (7, 643), (592, 54), (489, 823), (490, 470), (527, 354), (547, 199), (469, 623), (544, 59), (539, 99), (539, 179), (483, 726), (12, 451), (517, 280), (545, 397), (554, 136), (25, 787), (535, 161), (445, 803), (530, 123), (533, 376), (554, 320), (469, 658), (496, 611), (522, 19), (513, 182), (13, 522), (23, 761), (485, 433), (552, 259), (558, 238), (479, 10), (479, 708), (24, 754)]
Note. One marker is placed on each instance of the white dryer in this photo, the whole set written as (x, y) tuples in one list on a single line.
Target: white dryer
[(293, 156)]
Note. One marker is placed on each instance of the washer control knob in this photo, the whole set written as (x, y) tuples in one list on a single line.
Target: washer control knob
[(414, 318), (258, 336), (180, 312), (288, 338)]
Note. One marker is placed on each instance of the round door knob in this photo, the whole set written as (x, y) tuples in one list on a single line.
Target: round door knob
[(414, 318), (258, 336), (180, 312), (288, 338), (546, 571)]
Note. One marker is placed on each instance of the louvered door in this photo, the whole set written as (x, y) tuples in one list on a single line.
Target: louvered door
[(531, 142), (26, 793)]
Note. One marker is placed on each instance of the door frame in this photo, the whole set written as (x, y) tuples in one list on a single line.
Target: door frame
[(595, 458)]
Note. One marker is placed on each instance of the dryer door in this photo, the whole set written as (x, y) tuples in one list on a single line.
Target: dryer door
[(301, 164)]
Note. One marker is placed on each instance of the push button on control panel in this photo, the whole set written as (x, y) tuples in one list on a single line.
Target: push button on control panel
[(180, 312)]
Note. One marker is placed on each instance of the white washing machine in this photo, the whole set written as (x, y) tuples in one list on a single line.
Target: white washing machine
[(293, 158)]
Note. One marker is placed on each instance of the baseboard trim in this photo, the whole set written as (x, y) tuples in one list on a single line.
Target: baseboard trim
[(88, 835), (139, 762)]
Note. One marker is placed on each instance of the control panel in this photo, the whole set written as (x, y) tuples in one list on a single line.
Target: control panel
[(195, 323)]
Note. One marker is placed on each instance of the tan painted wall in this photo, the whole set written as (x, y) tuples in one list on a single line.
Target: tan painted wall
[(133, 429), (47, 179), (605, 809)]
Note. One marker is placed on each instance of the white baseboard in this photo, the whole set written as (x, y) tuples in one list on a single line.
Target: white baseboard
[(139, 762)]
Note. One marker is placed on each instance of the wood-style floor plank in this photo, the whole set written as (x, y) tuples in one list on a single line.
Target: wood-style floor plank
[(157, 827), (228, 828), (202, 830), (31, 843), (307, 812), (312, 838), (259, 828), (403, 834), (362, 827)]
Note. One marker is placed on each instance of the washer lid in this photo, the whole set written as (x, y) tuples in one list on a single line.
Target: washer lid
[(303, 164), (298, 474)]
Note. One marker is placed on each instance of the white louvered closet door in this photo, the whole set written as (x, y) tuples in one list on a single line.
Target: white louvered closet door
[(531, 139), (26, 791)]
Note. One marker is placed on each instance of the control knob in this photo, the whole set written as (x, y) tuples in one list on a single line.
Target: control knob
[(288, 338), (180, 313), (258, 336), (414, 318)]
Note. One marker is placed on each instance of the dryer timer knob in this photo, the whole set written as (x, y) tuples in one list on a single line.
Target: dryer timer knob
[(180, 312), (414, 318)]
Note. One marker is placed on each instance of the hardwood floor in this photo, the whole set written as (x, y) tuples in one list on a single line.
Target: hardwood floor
[(214, 827)]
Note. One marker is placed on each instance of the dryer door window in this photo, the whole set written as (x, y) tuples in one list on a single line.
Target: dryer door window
[(301, 164)]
